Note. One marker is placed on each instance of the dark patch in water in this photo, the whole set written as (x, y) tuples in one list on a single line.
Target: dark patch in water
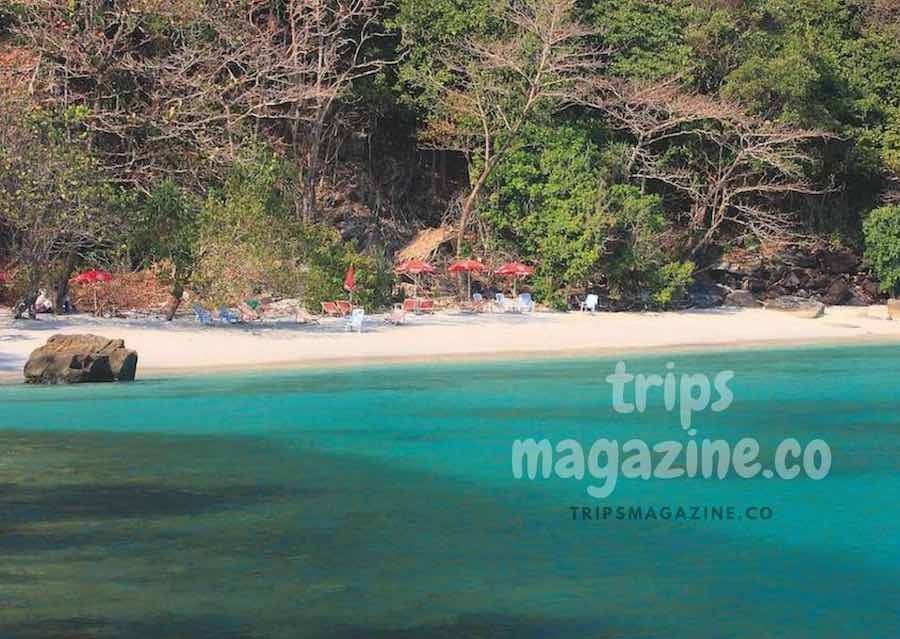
[(19, 504)]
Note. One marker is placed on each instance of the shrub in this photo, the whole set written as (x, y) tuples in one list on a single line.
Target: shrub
[(327, 262), (882, 233)]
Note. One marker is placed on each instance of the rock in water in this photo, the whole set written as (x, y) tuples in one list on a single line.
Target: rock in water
[(78, 359), (797, 306)]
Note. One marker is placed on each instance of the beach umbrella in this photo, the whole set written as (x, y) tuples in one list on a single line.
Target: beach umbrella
[(350, 281), (92, 277), (468, 267), (89, 277), (515, 270), (415, 268)]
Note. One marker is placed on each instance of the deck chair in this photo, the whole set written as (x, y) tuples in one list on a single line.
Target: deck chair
[(397, 317), (504, 304), (525, 304), (344, 307), (477, 305), (330, 308), (225, 315), (356, 320), (590, 303), (203, 316), (426, 306)]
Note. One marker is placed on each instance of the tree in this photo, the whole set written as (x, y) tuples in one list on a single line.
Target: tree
[(103, 58), (52, 203), (493, 87), (732, 169), (285, 69), (882, 232), (165, 230)]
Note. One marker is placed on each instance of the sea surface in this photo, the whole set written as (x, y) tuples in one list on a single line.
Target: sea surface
[(380, 502)]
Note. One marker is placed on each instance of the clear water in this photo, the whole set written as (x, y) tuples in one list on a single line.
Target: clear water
[(379, 502)]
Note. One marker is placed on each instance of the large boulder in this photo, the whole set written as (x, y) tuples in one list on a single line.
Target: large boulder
[(77, 359), (839, 261), (702, 294), (838, 293), (797, 306)]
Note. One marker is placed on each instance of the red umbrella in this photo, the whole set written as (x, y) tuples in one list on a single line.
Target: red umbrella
[(415, 268), (92, 277), (350, 279), (516, 270), (468, 267)]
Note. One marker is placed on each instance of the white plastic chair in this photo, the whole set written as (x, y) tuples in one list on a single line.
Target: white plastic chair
[(590, 303), (356, 320), (525, 304)]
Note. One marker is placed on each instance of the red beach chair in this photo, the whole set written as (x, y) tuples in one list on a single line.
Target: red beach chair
[(330, 308), (426, 306), (344, 307)]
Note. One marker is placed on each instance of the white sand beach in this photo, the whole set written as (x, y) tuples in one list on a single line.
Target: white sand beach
[(183, 346)]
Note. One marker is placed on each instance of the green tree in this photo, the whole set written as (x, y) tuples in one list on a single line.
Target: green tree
[(54, 203), (165, 231), (882, 233), (648, 38), (544, 203)]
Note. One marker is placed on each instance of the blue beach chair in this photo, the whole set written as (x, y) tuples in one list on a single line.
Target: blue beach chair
[(227, 316), (203, 316)]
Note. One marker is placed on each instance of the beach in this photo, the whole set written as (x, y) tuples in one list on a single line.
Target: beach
[(185, 347)]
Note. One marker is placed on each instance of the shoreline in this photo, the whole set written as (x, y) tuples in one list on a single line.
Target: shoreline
[(183, 349), (504, 356)]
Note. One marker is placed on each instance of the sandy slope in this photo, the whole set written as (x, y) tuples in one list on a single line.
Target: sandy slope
[(184, 346)]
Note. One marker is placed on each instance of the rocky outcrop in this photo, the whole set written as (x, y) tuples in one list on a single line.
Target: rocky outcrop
[(797, 306), (838, 293), (832, 276), (78, 359), (704, 293)]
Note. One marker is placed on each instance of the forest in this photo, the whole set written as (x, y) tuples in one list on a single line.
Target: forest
[(627, 147)]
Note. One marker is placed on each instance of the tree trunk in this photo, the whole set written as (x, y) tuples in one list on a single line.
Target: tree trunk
[(467, 207), (26, 304), (62, 285), (175, 302)]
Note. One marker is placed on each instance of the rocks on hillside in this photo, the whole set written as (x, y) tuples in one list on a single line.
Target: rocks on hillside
[(76, 359), (703, 293), (797, 306), (833, 276)]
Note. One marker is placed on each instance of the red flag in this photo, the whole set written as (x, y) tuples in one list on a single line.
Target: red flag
[(350, 279)]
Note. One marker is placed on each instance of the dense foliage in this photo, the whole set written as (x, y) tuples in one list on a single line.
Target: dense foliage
[(882, 230), (241, 156)]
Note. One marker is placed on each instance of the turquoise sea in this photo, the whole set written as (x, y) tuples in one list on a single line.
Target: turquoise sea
[(380, 502)]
